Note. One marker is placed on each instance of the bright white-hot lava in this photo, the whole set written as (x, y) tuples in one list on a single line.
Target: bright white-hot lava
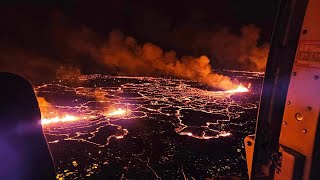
[(66, 118), (117, 112), (225, 134), (239, 89), (71, 118), (205, 137)]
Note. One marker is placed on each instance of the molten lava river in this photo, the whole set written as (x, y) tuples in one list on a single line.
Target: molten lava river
[(107, 127)]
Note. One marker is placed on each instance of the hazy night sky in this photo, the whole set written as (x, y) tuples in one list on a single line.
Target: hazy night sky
[(43, 28)]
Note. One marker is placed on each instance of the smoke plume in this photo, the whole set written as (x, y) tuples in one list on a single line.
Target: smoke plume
[(240, 50), (58, 48), (126, 56), (30, 65), (46, 108)]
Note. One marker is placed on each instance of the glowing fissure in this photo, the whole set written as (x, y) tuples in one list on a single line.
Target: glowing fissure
[(117, 112), (101, 115), (182, 90), (239, 89), (66, 118)]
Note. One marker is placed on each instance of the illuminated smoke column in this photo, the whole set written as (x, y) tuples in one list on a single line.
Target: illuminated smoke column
[(129, 57), (118, 55), (240, 51)]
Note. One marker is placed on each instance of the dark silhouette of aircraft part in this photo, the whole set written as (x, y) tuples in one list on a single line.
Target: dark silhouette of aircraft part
[(24, 153)]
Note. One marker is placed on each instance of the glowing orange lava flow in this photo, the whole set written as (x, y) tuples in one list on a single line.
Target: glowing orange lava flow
[(66, 118), (240, 88), (205, 137), (117, 112)]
